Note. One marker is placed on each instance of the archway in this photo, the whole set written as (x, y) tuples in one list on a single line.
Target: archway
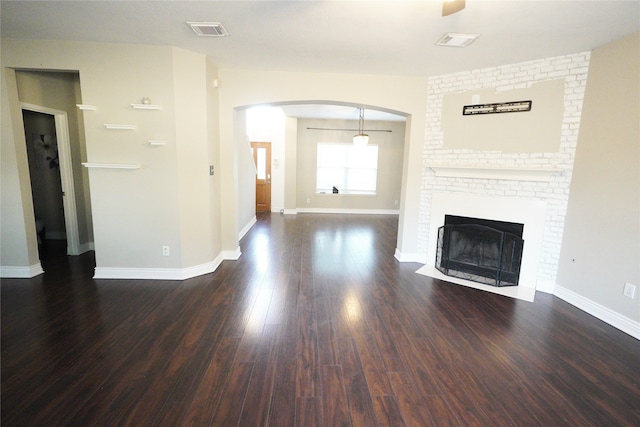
[(286, 151)]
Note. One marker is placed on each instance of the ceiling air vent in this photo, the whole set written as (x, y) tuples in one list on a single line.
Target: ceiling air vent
[(208, 29), (457, 39)]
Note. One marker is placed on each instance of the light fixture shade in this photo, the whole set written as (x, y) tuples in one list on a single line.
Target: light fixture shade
[(361, 139)]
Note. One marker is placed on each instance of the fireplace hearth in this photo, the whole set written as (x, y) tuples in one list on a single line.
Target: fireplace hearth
[(480, 250)]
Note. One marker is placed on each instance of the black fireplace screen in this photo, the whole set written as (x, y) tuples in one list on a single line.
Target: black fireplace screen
[(480, 253)]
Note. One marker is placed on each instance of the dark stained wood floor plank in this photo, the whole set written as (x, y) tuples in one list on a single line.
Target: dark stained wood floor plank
[(316, 324), (308, 372), (327, 340), (210, 388), (255, 412), (309, 412), (412, 405), (387, 411), (335, 408), (283, 411), (359, 399), (233, 399)]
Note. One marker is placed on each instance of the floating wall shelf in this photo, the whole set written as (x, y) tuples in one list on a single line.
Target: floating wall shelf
[(156, 142), (110, 166), (87, 107), (119, 127), (145, 106)]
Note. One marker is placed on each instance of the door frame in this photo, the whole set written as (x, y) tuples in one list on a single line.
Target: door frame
[(66, 174)]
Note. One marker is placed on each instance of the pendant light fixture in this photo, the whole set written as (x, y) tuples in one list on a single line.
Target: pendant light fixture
[(361, 138)]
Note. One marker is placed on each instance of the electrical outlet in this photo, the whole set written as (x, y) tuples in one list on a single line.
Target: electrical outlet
[(308, 200), (629, 290), (211, 170), (165, 250)]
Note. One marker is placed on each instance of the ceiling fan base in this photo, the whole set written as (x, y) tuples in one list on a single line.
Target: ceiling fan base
[(452, 6)]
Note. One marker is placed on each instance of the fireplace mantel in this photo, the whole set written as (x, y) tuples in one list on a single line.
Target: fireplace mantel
[(513, 173)]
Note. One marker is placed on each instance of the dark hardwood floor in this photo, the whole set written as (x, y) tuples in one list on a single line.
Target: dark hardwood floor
[(315, 325)]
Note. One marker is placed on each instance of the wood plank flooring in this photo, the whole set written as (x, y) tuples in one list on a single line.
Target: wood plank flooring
[(315, 325)]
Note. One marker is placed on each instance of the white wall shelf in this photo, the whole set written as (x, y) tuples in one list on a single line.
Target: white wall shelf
[(86, 107), (145, 106), (495, 172), (156, 142), (91, 165), (114, 126)]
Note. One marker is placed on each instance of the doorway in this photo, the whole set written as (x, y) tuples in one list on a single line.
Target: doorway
[(262, 160), (51, 173)]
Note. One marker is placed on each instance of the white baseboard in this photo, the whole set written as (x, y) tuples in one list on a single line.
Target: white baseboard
[(605, 314), (409, 257), (246, 228), (291, 211), (202, 269), (598, 311), (349, 211), (546, 286), (12, 272), (232, 255), (158, 273)]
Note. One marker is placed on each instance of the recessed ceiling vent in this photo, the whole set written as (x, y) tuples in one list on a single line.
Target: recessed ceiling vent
[(208, 29), (457, 39)]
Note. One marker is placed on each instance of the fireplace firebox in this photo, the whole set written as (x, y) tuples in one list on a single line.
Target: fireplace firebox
[(480, 250)]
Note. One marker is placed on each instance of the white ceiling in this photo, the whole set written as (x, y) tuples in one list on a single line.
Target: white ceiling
[(394, 37)]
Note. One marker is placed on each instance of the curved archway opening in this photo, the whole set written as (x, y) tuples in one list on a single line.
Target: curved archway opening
[(294, 129)]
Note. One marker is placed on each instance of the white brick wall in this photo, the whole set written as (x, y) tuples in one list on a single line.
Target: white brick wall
[(573, 69)]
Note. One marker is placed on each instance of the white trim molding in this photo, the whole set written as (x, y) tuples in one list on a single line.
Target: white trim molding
[(232, 255), (601, 312), (410, 257), (158, 273), (61, 122), (246, 229), (546, 286), (349, 211), (12, 272), (541, 174)]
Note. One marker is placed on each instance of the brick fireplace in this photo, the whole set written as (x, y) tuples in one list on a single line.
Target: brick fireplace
[(524, 180)]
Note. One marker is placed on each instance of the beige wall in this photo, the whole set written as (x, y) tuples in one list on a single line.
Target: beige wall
[(290, 161), (601, 245), (18, 244), (135, 212), (390, 161), (192, 148), (246, 173), (213, 141), (535, 131), (242, 88)]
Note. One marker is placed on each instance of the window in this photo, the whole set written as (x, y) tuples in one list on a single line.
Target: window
[(351, 169)]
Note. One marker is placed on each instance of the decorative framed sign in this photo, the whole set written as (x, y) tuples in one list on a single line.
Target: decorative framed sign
[(497, 107)]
